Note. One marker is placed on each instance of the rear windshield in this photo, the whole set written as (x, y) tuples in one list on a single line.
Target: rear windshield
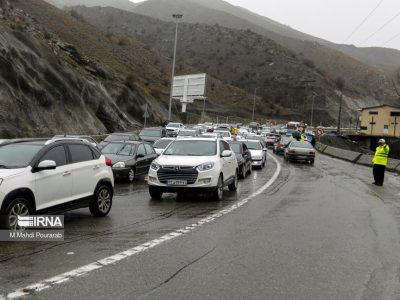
[(253, 145), (305, 145), (192, 148), (162, 144), (119, 149), (235, 148), (150, 132), (18, 155), (118, 137)]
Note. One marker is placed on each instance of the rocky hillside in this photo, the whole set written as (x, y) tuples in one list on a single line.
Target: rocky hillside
[(226, 14), (62, 74), (121, 4), (248, 60), (42, 94)]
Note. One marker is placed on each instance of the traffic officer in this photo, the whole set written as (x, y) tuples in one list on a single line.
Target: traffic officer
[(380, 162)]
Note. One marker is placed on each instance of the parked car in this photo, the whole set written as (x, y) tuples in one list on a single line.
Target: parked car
[(226, 135), (281, 144), (270, 140), (150, 135), (129, 136), (194, 165), (188, 133), (46, 176), (77, 137), (160, 145), (255, 137), (129, 159), (173, 129), (300, 151), (243, 157), (223, 128), (258, 153)]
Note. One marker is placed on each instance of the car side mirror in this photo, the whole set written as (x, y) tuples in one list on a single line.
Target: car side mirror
[(46, 165), (226, 153)]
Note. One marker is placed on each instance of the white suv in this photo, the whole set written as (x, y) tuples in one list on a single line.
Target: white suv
[(173, 129), (194, 164), (49, 176)]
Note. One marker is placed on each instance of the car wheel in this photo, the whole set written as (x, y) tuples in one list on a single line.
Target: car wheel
[(154, 193), (242, 172), (131, 175), (17, 207), (312, 162), (234, 185), (101, 202), (218, 194)]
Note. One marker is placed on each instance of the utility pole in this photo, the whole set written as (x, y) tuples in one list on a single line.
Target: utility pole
[(254, 103), (177, 18), (146, 112), (203, 114), (340, 113), (312, 109)]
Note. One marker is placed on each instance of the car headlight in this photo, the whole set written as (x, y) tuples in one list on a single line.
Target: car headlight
[(155, 166), (119, 165), (205, 166)]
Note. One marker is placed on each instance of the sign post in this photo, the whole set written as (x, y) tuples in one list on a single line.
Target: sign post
[(188, 88)]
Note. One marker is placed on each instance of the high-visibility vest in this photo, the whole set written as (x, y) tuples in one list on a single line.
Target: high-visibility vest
[(381, 155), (303, 138)]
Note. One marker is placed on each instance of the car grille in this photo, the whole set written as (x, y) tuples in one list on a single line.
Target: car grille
[(166, 173)]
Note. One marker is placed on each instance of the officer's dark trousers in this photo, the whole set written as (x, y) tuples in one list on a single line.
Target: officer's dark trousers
[(379, 174)]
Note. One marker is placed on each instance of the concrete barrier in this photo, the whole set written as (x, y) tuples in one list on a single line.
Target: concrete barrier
[(365, 160), (356, 157), (342, 154)]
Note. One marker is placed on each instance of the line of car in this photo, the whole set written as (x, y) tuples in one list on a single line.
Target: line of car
[(69, 172)]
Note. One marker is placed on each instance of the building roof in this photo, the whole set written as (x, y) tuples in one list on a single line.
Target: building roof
[(380, 106)]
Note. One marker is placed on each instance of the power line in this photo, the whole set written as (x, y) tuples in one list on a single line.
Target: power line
[(392, 39), (383, 26), (363, 21)]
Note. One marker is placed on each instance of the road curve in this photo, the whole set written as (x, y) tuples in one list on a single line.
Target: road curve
[(316, 233)]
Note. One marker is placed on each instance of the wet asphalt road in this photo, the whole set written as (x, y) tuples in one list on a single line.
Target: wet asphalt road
[(319, 232)]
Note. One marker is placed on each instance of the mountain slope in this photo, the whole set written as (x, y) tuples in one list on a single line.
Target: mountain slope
[(128, 72), (243, 58), (42, 94), (226, 14), (121, 4)]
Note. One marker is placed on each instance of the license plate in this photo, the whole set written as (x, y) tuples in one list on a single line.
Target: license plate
[(177, 182)]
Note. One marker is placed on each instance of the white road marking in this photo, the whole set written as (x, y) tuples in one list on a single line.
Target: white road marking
[(48, 283)]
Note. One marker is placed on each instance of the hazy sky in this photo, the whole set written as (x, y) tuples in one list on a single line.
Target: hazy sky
[(334, 20)]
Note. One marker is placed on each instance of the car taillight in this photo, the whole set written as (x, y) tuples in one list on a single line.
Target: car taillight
[(108, 162), (292, 151), (312, 152)]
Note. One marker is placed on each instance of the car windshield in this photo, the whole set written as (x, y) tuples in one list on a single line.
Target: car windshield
[(305, 145), (18, 155), (235, 148), (192, 148), (253, 145), (119, 149), (150, 132), (162, 144), (173, 125), (117, 137)]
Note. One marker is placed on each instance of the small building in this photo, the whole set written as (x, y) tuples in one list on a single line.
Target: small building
[(382, 120)]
